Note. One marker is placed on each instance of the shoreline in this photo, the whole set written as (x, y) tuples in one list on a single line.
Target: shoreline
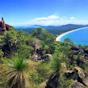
[(58, 38)]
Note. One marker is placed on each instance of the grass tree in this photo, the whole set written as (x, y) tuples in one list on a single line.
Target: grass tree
[(16, 74)]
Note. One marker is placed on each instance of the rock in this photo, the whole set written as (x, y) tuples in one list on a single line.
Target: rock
[(86, 81), (80, 72), (53, 81), (76, 70), (76, 74), (77, 85), (43, 84), (3, 26), (75, 48)]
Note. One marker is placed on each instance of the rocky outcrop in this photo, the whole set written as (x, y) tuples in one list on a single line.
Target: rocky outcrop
[(80, 85), (76, 50), (85, 80), (77, 85), (80, 72), (39, 54), (53, 81), (3, 26), (79, 77)]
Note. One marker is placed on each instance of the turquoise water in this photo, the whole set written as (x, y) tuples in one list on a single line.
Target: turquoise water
[(80, 36)]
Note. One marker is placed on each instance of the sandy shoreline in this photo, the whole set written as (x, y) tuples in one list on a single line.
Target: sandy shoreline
[(63, 34)]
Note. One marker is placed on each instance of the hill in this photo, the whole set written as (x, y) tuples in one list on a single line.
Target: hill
[(37, 61), (52, 29)]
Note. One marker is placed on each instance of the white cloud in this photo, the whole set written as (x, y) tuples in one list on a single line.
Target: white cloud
[(56, 20), (48, 18), (72, 18)]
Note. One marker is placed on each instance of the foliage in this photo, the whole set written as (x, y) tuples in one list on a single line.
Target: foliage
[(16, 72), (43, 35), (16, 53)]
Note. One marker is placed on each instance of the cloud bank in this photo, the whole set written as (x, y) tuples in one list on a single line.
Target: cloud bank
[(55, 20)]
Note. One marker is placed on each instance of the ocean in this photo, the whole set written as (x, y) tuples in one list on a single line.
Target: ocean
[(78, 36)]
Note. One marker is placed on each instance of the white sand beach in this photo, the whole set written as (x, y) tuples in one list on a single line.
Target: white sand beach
[(60, 36)]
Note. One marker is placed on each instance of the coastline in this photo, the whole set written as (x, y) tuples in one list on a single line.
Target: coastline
[(63, 34)]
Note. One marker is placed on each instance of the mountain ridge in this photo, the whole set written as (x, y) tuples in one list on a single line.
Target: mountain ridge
[(52, 29)]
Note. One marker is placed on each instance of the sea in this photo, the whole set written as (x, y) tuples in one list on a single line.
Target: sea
[(78, 36)]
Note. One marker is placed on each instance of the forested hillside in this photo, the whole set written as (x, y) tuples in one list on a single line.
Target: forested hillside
[(36, 60)]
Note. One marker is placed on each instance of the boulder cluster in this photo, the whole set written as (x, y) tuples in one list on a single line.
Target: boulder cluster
[(3, 26)]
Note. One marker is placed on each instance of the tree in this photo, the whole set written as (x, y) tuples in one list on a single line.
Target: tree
[(44, 35)]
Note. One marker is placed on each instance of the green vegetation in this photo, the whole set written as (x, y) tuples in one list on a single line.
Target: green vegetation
[(16, 73), (36, 60)]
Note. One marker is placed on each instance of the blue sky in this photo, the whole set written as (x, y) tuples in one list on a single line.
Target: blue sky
[(44, 12)]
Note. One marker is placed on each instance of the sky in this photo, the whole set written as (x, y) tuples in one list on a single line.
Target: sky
[(44, 12)]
